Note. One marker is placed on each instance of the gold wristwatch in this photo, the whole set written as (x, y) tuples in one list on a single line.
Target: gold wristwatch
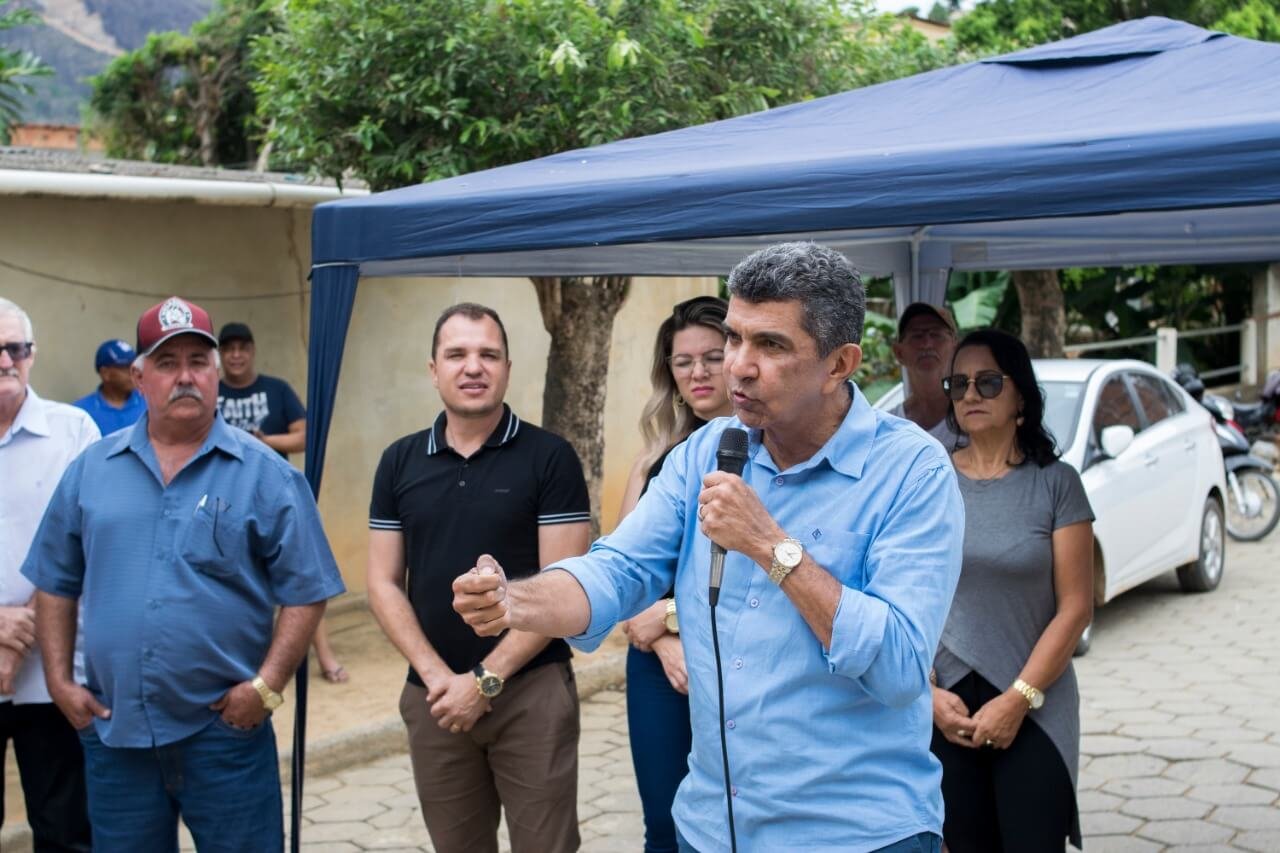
[(787, 554), (270, 699), (1034, 697), (670, 620), (489, 684)]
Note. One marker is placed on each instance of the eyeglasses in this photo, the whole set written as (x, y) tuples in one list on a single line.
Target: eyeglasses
[(712, 360), (18, 350), (988, 384)]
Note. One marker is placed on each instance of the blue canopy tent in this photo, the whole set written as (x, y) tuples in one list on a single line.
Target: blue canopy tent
[(1151, 141)]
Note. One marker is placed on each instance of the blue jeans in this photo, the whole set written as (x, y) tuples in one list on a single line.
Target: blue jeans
[(225, 784), (661, 736), (925, 842)]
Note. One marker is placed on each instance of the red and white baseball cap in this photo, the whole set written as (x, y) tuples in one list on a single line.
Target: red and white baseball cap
[(173, 317)]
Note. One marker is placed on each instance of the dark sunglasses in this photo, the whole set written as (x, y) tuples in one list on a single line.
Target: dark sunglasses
[(989, 384), (18, 350)]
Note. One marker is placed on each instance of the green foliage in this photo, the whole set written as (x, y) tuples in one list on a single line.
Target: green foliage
[(1255, 19), (185, 98), (403, 91), (16, 68), (879, 370)]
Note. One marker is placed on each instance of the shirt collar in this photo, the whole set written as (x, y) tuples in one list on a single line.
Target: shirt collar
[(847, 449), (506, 430), (221, 436), (31, 416)]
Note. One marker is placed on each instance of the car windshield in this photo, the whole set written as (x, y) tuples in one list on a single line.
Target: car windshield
[(1062, 410)]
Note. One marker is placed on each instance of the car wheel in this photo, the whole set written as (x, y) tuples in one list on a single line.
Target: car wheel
[(1086, 640), (1206, 572)]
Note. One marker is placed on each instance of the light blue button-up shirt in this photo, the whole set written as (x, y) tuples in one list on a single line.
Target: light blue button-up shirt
[(828, 748), (177, 583)]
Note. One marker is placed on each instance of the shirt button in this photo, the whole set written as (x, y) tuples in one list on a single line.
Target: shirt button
[(165, 513), (779, 481), (154, 605), (730, 725), (462, 482), (737, 664), (755, 602)]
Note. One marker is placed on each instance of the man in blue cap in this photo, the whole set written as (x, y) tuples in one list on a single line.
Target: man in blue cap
[(116, 404)]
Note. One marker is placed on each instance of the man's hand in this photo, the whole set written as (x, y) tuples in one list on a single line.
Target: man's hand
[(456, 702), (732, 516), (241, 706), (10, 663), (17, 629), (951, 716), (998, 721), (647, 626), (480, 598), (671, 653), (77, 704)]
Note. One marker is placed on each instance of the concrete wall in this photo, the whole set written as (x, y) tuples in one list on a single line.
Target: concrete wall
[(85, 270)]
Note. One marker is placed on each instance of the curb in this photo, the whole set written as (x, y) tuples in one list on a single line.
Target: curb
[(387, 737)]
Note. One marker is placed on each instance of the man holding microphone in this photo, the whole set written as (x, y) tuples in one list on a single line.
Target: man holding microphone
[(844, 535)]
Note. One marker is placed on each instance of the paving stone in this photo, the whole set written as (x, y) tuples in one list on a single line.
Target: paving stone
[(372, 776), (1266, 841), (1145, 786), (345, 831), (394, 818), (1185, 832), (1121, 844), (1127, 766), (1177, 749), (1247, 817), (348, 811), (1237, 734), (1212, 771), (1109, 745), (329, 847), (1107, 823), (1232, 795), (1257, 755), (1097, 801), (1266, 778), (1165, 808)]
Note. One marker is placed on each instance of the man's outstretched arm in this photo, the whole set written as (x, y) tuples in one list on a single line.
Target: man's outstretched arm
[(552, 603)]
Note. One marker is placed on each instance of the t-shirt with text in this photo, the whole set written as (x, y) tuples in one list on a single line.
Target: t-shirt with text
[(266, 404)]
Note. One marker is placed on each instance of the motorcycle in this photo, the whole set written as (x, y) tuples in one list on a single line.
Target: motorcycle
[(1253, 498), (1260, 420)]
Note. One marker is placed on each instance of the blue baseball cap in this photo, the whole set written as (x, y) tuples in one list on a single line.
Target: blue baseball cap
[(114, 353)]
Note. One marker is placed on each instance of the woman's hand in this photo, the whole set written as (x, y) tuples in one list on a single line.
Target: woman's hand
[(998, 721), (951, 716), (671, 653), (647, 626)]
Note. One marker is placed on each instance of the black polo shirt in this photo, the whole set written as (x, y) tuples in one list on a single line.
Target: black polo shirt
[(451, 510)]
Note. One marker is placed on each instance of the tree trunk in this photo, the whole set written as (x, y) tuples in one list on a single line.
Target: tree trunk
[(1044, 314), (579, 312)]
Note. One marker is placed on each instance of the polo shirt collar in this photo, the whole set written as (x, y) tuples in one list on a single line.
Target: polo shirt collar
[(847, 449), (506, 430), (31, 416), (221, 436)]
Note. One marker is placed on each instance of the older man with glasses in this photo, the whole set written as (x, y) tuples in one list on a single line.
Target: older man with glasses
[(38, 440), (926, 340)]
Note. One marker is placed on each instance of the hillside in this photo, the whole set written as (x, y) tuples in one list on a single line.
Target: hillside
[(80, 37)]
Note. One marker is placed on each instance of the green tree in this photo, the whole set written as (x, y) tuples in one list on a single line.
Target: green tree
[(16, 68), (186, 98), (402, 91)]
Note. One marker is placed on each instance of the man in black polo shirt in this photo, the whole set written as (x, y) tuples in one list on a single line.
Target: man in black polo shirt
[(493, 723)]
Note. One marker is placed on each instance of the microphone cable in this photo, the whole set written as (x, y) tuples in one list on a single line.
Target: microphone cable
[(724, 741)]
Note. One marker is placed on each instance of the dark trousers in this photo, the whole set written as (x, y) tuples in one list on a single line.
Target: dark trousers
[(51, 767), (661, 737), (1015, 800), (521, 758), (224, 782)]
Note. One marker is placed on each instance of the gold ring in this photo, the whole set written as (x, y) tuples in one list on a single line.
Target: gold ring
[(991, 743), (962, 733), (455, 729)]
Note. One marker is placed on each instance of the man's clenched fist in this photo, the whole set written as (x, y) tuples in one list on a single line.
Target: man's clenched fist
[(480, 597)]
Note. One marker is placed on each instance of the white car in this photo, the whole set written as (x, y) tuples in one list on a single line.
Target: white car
[(1151, 466)]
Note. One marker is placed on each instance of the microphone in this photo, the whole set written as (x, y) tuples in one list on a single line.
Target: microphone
[(731, 456)]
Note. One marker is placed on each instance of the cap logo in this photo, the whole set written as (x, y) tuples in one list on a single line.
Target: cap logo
[(174, 314)]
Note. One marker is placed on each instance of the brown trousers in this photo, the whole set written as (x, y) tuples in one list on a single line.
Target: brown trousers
[(522, 756)]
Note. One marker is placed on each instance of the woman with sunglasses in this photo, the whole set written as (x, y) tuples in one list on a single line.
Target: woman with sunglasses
[(1005, 702), (688, 390)]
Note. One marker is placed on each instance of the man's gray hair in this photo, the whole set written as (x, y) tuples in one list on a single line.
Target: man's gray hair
[(821, 279), (13, 309)]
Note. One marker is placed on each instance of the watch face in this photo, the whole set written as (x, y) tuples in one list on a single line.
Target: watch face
[(1037, 700), (490, 685), (788, 553)]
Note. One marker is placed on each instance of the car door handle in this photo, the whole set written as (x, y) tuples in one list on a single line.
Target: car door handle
[(1150, 461)]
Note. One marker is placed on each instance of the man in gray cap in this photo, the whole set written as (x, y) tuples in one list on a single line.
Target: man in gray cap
[(926, 341)]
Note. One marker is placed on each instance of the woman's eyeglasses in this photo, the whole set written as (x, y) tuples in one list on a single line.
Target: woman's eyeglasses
[(988, 384), (712, 361)]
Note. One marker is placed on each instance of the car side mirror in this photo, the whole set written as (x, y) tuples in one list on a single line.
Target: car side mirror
[(1116, 439)]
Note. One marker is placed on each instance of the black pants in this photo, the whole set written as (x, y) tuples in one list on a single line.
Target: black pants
[(1015, 800), (51, 767)]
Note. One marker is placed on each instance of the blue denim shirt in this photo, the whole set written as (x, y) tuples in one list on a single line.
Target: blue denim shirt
[(828, 748), (178, 584)]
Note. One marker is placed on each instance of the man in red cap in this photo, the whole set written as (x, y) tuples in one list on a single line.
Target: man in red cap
[(177, 538)]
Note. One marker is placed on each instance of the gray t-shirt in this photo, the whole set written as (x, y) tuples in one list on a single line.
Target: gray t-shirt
[(1005, 598), (941, 430)]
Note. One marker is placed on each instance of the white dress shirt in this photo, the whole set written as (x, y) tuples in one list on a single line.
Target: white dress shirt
[(40, 444)]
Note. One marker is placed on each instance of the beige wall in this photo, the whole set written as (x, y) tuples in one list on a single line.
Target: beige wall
[(226, 259)]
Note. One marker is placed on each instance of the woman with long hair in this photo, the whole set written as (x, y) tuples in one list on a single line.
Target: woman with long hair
[(688, 390), (1006, 708)]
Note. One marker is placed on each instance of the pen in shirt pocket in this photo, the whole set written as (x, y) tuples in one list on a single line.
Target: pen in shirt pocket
[(203, 500)]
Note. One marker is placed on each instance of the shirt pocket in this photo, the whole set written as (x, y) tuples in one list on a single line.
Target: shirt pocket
[(841, 553), (214, 540)]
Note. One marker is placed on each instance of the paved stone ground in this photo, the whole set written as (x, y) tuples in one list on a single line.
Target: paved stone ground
[(1181, 744)]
